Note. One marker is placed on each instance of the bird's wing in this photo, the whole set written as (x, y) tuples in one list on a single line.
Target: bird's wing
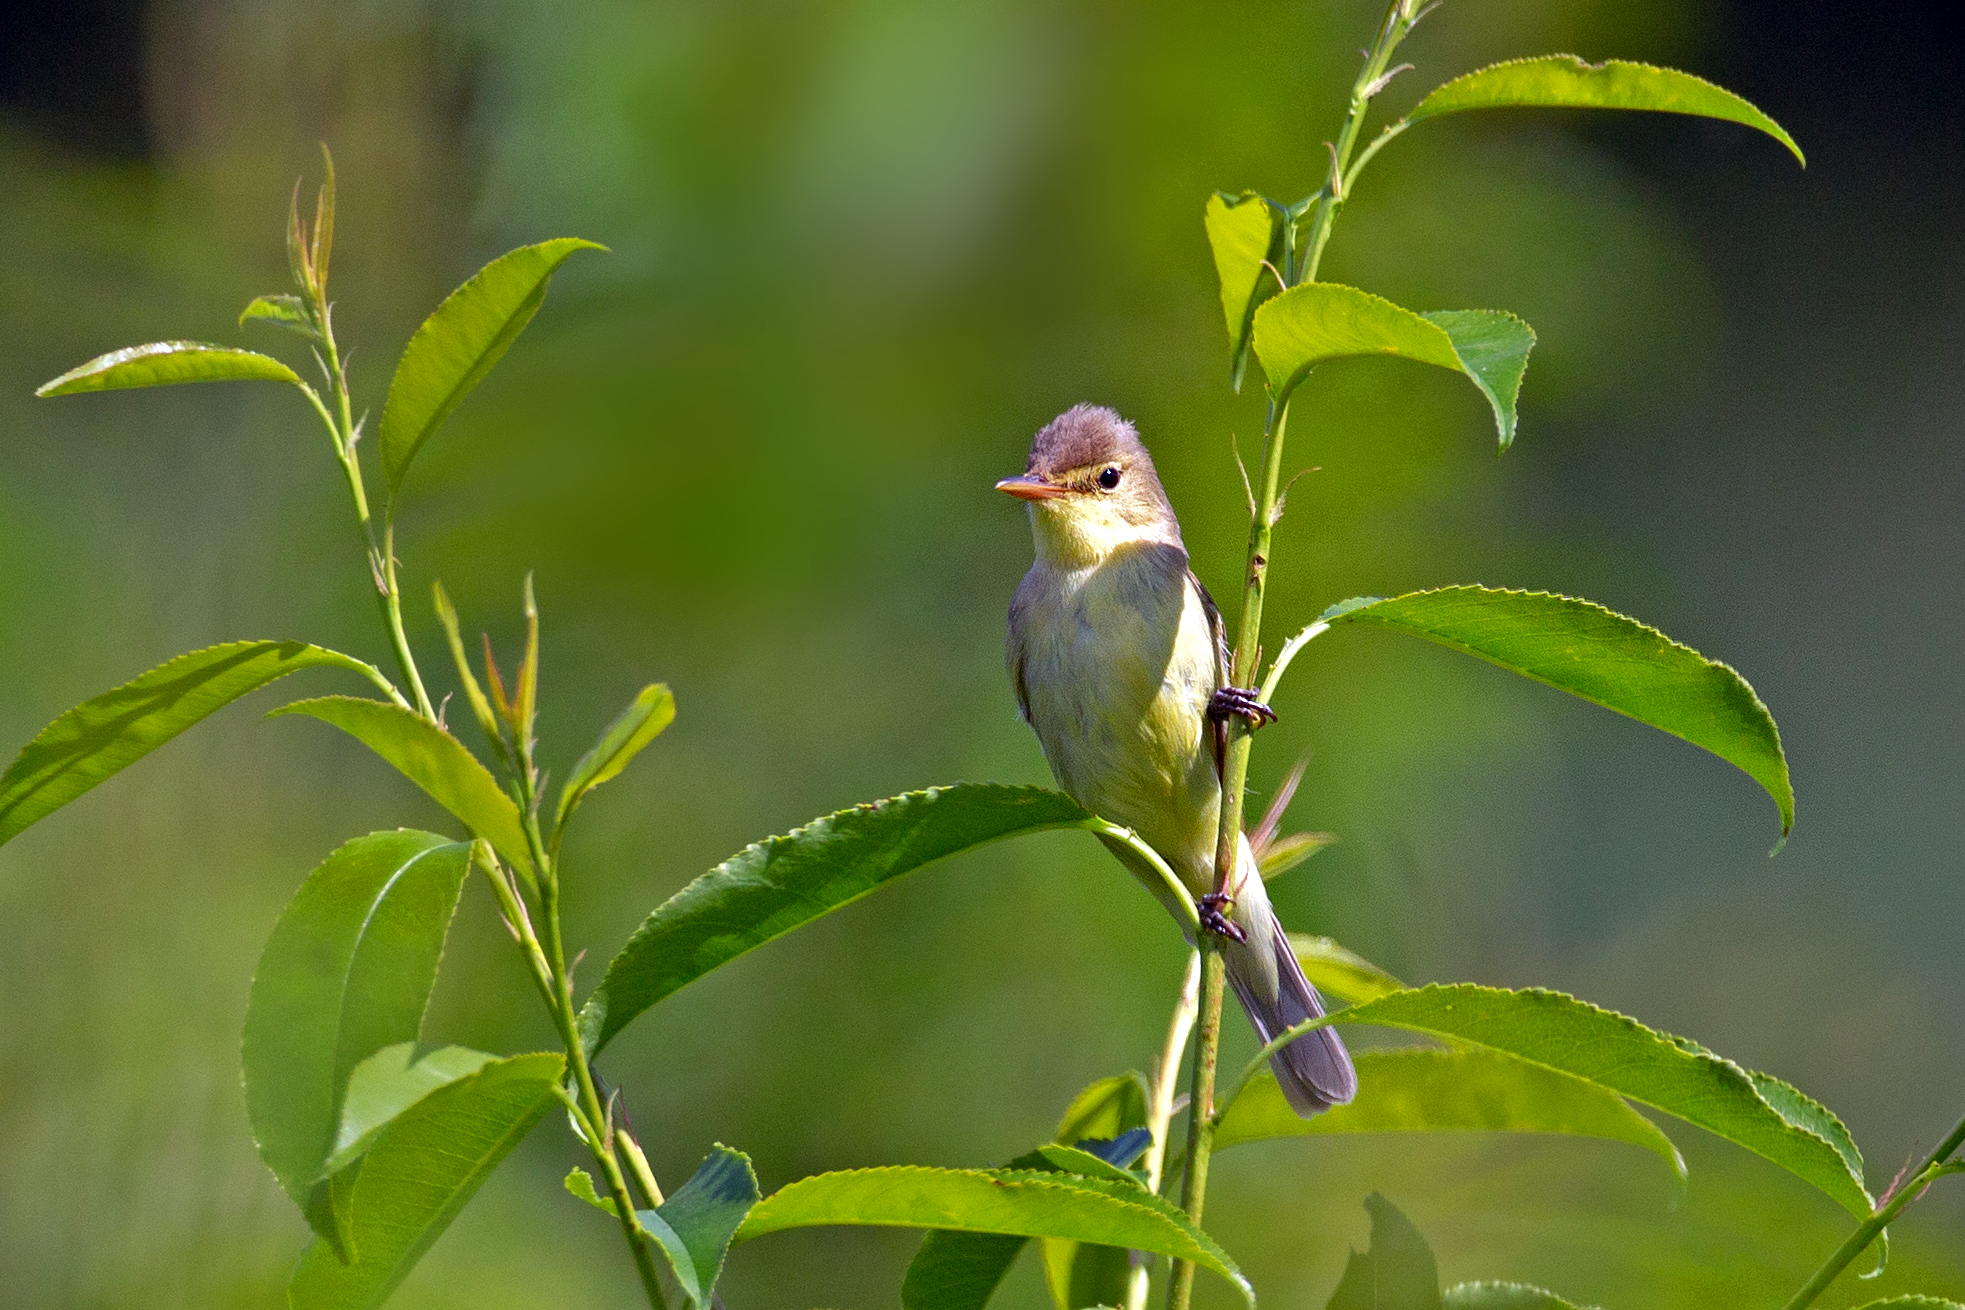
[(1013, 656), (1219, 727)]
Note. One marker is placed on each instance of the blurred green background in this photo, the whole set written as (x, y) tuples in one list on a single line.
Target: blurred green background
[(862, 250)]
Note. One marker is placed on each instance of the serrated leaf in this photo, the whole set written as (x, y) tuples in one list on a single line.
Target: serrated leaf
[(420, 1173), (1108, 1110), (289, 312), (1341, 973), (580, 1183), (1504, 1296), (388, 1083), (346, 972), (1421, 1091), (1619, 1053), (1087, 1164), (1396, 1272), (769, 888), (1320, 321), (1567, 82), (114, 730), (457, 345), (1246, 233), (1911, 1303), (433, 760), (1104, 1109), (1582, 648), (166, 363), (693, 1228), (1007, 1202), (652, 710)]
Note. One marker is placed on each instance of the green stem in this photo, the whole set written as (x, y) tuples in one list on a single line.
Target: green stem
[(1399, 17), (1872, 1227), (1200, 1109), (1160, 1105)]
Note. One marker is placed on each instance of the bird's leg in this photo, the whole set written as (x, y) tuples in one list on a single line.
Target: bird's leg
[(1214, 907), (1231, 701)]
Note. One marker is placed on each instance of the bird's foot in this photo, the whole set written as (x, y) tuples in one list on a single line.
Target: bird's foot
[(1214, 917), (1232, 701)]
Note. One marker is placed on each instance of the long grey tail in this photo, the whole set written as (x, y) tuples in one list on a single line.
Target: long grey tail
[(1315, 1070)]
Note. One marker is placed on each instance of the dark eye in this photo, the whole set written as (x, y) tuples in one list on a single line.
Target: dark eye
[(1109, 479)]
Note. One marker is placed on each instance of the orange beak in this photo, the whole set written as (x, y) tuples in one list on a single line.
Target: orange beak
[(1029, 487)]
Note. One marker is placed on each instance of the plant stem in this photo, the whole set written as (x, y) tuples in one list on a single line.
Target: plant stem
[(1160, 1104), (1870, 1228), (1200, 1109), (1399, 18)]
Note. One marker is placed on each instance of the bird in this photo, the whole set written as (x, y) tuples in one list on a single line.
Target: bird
[(1120, 663)]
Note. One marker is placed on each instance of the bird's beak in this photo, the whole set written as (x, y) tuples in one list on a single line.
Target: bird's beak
[(1029, 487)]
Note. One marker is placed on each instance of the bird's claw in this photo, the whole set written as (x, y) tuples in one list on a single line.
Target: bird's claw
[(1232, 701), (1214, 918)]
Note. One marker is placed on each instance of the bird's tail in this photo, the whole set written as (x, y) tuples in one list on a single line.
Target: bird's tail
[(1315, 1070)]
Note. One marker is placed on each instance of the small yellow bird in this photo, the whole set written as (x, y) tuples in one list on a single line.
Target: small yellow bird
[(1120, 662)]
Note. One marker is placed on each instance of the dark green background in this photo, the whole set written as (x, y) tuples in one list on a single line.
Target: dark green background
[(861, 251)]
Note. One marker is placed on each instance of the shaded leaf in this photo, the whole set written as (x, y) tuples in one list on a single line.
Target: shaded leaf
[(1667, 1073), (1567, 82), (1087, 1164), (958, 1271), (114, 730), (1105, 1109), (1341, 973), (652, 710), (1009, 1202), (769, 888), (693, 1228), (389, 1082), (457, 345), (1503, 1296), (420, 1173), (1247, 234), (1286, 852), (1105, 1114), (1419, 1091), (433, 760), (1319, 321), (289, 312), (346, 972), (1911, 1303), (165, 363), (1397, 1272), (1582, 648)]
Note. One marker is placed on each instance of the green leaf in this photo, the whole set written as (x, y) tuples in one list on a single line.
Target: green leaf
[(162, 363), (388, 1083), (1080, 1275), (581, 1184), (1337, 972), (1423, 1091), (1503, 1296), (347, 972), (1247, 234), (420, 1173), (1911, 1303), (769, 888), (1396, 1273), (1666, 1073), (289, 312), (958, 1271), (1319, 321), (1567, 82), (458, 344), (118, 728), (1582, 648), (652, 710), (1286, 852), (1105, 1109), (1009, 1202), (693, 1228), (433, 760)]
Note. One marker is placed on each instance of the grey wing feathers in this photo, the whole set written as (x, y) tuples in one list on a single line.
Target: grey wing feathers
[(1219, 727)]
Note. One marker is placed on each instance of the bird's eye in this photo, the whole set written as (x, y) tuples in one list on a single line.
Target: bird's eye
[(1109, 479)]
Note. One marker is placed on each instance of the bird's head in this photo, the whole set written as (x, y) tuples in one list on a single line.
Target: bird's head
[(1092, 489)]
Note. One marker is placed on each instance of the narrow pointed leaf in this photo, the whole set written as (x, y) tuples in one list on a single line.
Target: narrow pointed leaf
[(289, 312), (101, 736), (1013, 1203), (388, 1083), (1341, 973), (458, 344), (1246, 233), (1567, 82), (433, 760), (776, 885), (1504, 1296), (702, 1216), (1397, 1272), (1666, 1073), (164, 363), (652, 710), (1430, 1091), (420, 1173), (1586, 650), (347, 971), (1319, 321)]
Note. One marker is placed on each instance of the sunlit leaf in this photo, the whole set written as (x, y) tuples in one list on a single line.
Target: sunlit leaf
[(580, 1183), (1911, 1303), (163, 363), (1424, 1091), (388, 1083), (1503, 1296), (769, 888), (693, 1228), (100, 736), (1396, 1272), (419, 1173), (347, 971), (1567, 82), (1246, 233), (1582, 648), (289, 312), (1286, 852), (458, 344), (433, 760), (1666, 1073), (1107, 1110), (652, 710), (1341, 973), (1320, 321), (1009, 1202)]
